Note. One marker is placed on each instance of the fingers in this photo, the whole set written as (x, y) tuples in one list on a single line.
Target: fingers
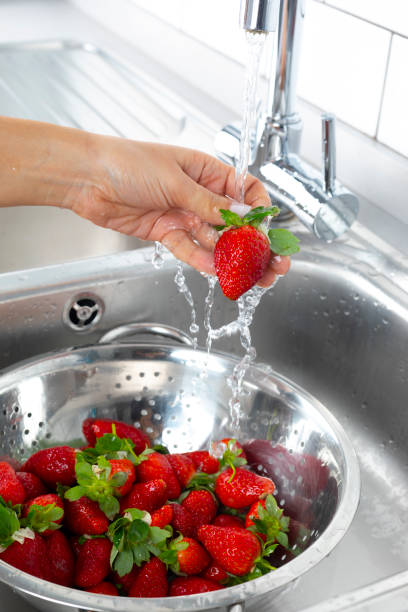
[(183, 247), (278, 266)]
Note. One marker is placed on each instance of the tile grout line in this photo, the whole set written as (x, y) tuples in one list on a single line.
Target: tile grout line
[(387, 67)]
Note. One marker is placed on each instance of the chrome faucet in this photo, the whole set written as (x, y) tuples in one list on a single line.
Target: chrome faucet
[(317, 199)]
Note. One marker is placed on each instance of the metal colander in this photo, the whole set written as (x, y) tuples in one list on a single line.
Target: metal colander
[(179, 396)]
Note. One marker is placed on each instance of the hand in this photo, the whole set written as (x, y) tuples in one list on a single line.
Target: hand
[(169, 194)]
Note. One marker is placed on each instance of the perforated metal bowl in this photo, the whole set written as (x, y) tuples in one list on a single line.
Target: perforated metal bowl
[(162, 389)]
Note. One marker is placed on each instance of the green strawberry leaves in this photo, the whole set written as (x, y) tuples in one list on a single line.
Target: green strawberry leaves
[(272, 524), (112, 447), (231, 458), (283, 242), (169, 554), (9, 523), (134, 540), (42, 518)]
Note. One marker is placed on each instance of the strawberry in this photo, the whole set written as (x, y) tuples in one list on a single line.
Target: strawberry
[(31, 556), (243, 488), (243, 251), (204, 461), (157, 466), (151, 580), (125, 582), (215, 573), (190, 585), (125, 466), (183, 467), (76, 543), (93, 562), (44, 513), (266, 519), (234, 446), (191, 560), (83, 516), (148, 496), (103, 588), (202, 505), (228, 520), (61, 559), (33, 486), (183, 520), (162, 516), (53, 465), (11, 489), (235, 549), (95, 428)]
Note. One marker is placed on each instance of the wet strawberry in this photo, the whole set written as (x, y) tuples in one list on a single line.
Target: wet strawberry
[(183, 467), (84, 516), (266, 519), (53, 465), (243, 488), (125, 582), (202, 506), (193, 559), (43, 517), (215, 573), (96, 428), (183, 520), (204, 461), (148, 496), (11, 489), (235, 550), (151, 580), (191, 585), (157, 466), (162, 516), (93, 562), (227, 520), (61, 559), (33, 486), (31, 556), (103, 588), (125, 466)]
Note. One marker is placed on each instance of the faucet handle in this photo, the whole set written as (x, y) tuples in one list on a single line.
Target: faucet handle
[(329, 151)]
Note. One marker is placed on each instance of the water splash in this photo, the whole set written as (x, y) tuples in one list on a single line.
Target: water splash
[(157, 257), (182, 288)]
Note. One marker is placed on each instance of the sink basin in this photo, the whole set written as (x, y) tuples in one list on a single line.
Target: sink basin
[(337, 325)]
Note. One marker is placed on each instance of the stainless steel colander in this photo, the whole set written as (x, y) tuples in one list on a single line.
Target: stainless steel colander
[(179, 396)]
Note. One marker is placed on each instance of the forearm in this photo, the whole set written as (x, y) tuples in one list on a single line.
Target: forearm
[(43, 164)]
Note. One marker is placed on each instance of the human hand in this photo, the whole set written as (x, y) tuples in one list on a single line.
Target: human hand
[(167, 194)]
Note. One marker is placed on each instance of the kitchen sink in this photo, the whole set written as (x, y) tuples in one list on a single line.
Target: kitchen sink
[(337, 325)]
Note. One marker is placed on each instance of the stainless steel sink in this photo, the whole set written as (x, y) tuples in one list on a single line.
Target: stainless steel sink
[(337, 325)]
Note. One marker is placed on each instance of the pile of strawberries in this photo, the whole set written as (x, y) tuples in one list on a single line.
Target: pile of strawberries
[(119, 517)]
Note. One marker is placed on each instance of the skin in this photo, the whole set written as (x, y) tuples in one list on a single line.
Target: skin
[(150, 191)]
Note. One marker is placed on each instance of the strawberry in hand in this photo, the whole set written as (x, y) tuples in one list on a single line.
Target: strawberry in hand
[(243, 251)]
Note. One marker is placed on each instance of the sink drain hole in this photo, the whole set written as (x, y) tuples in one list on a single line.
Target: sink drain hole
[(83, 312)]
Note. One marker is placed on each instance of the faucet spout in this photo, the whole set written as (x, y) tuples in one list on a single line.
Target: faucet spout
[(317, 199)]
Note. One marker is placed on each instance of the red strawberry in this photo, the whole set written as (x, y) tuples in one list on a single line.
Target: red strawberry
[(233, 548), (204, 462), (33, 486), (243, 488), (31, 556), (84, 516), (268, 520), (215, 573), (93, 562), (193, 559), (235, 445), (11, 488), (183, 520), (151, 580), (53, 465), (190, 585), (148, 496), (76, 544), (202, 505), (162, 516), (126, 581), (183, 467), (104, 588), (123, 465), (227, 520), (45, 500), (61, 559), (95, 428), (157, 466), (241, 257)]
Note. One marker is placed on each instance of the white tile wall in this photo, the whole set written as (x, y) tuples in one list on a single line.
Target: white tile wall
[(389, 14), (393, 128), (342, 65)]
